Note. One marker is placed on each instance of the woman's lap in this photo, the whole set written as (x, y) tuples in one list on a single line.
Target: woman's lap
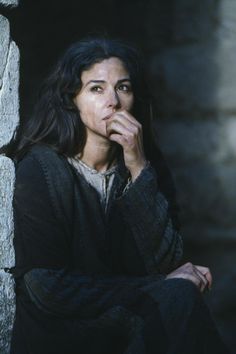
[(162, 317), (186, 319)]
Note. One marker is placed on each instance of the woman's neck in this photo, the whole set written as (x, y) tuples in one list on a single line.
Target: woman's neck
[(99, 154)]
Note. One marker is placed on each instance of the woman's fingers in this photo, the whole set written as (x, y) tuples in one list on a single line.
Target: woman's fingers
[(115, 126), (122, 134), (203, 284), (123, 123), (127, 131), (207, 273), (126, 118), (199, 275)]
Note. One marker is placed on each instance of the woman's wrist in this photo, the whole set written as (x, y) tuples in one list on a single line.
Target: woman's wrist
[(135, 172)]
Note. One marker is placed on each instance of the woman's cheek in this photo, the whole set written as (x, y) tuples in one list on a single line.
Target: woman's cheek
[(130, 104)]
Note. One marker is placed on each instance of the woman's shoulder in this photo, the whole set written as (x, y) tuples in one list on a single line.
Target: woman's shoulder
[(41, 161), (37, 152), (42, 157), (42, 166)]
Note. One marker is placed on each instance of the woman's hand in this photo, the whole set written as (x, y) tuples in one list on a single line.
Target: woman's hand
[(125, 130), (200, 276)]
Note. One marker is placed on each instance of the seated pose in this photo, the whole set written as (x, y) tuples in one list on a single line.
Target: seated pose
[(97, 241)]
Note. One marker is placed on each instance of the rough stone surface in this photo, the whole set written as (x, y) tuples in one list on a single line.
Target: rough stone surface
[(203, 157), (9, 2), (226, 28), (9, 106), (182, 21), (7, 177), (196, 70), (207, 197), (203, 20), (186, 74), (212, 141), (4, 45), (7, 310), (196, 77), (9, 102)]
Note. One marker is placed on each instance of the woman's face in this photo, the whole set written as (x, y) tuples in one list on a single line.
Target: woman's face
[(106, 88)]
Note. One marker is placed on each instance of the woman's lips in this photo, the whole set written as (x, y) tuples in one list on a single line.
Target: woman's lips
[(108, 116)]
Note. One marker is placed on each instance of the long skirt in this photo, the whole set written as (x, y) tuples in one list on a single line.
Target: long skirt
[(162, 317)]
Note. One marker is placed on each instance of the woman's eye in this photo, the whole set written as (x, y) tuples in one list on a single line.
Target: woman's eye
[(96, 89), (124, 88)]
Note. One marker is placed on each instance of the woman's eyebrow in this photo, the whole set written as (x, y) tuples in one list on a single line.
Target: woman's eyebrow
[(124, 79), (103, 81), (94, 82)]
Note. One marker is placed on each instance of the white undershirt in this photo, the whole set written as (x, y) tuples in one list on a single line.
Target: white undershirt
[(101, 181)]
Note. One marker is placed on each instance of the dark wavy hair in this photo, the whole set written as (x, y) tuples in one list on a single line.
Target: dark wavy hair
[(56, 120)]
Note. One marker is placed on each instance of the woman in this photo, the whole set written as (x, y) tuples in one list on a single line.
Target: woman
[(96, 239)]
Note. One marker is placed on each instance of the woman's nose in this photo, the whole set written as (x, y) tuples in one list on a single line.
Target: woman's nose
[(113, 99)]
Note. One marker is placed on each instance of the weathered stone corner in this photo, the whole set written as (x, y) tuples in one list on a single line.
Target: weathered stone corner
[(7, 178), (9, 117), (7, 257), (7, 306), (12, 3)]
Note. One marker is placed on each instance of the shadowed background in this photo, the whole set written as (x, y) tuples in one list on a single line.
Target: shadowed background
[(189, 48)]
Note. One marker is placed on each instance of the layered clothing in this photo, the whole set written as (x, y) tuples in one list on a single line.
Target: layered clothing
[(91, 280)]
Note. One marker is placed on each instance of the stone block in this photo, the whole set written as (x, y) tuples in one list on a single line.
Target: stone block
[(9, 2), (7, 178), (213, 140), (9, 106), (185, 78), (183, 142), (226, 20), (9, 100), (7, 310), (193, 20), (202, 157), (195, 78), (4, 45), (194, 69), (197, 231), (180, 22), (207, 194)]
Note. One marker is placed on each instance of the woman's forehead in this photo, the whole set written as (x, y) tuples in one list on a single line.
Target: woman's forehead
[(106, 69)]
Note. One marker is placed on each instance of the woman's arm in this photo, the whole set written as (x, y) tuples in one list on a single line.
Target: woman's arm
[(70, 293), (146, 212), (144, 207)]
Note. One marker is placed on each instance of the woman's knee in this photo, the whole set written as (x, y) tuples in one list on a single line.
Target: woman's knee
[(182, 289), (181, 285)]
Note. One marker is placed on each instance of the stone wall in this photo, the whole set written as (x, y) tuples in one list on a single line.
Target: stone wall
[(193, 74), (9, 78), (11, 3)]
